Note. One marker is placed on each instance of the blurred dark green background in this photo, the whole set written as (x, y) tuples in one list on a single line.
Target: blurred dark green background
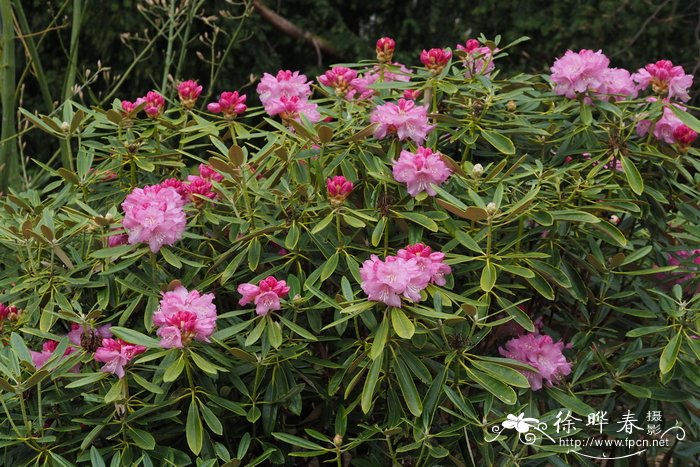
[(631, 32)]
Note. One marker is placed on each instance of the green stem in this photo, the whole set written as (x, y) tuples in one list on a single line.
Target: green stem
[(186, 38), (169, 48), (73, 55), (9, 161)]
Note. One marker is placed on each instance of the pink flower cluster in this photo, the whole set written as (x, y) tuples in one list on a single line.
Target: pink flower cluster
[(75, 336), (420, 170), (680, 258), (153, 102), (587, 73), (189, 91), (116, 354), (47, 349), (669, 127), (405, 119), (266, 295), (287, 95), (665, 80), (477, 59), (230, 104), (435, 60), (338, 188), (9, 312), (540, 352), (404, 275), (183, 316), (340, 78), (154, 215)]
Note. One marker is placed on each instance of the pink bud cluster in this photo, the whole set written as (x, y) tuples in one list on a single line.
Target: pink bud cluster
[(404, 119), (404, 275), (385, 49), (587, 73), (8, 312), (540, 352), (435, 60), (230, 104), (420, 170), (477, 59), (189, 91), (153, 105), (340, 78), (184, 316), (338, 188), (266, 295), (287, 95)]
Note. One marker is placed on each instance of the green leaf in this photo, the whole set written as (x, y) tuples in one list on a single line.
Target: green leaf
[(574, 216), (142, 439), (329, 267), (323, 224), (670, 354), (256, 332), (174, 370), (499, 389), (171, 257), (380, 337), (488, 277), (617, 237), (687, 119), (274, 334), (292, 238), (298, 329), (371, 383), (135, 337), (586, 114), (643, 331), (633, 176), (89, 378), (299, 442), (194, 429), (211, 420), (499, 141), (570, 402), (147, 385), (419, 219), (253, 254), (204, 364), (96, 458), (378, 231), (541, 286), (408, 388), (637, 391), (503, 373), (112, 252), (403, 326)]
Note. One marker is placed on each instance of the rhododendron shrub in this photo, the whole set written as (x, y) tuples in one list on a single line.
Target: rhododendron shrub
[(372, 268)]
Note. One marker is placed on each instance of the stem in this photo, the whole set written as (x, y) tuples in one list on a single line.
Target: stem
[(186, 38), (338, 231), (73, 56), (169, 49), (9, 162)]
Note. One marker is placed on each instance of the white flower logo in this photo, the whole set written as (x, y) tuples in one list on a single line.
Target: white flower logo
[(519, 423)]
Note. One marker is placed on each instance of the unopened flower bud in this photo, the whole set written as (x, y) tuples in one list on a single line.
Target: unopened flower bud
[(385, 49), (615, 219), (338, 440), (338, 188), (511, 106), (435, 59), (491, 208), (65, 127), (477, 170)]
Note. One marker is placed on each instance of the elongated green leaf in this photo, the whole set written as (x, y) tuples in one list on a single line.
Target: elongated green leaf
[(499, 389), (503, 373), (633, 177), (297, 441), (670, 354), (420, 219), (380, 337), (256, 332), (142, 439), (274, 334), (408, 388), (572, 403), (488, 277), (135, 337), (499, 141), (174, 370), (371, 383), (403, 326), (194, 429)]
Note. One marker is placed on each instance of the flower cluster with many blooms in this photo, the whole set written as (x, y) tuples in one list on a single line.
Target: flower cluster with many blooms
[(421, 170), (183, 316), (266, 295), (287, 95), (405, 119), (540, 352), (404, 275)]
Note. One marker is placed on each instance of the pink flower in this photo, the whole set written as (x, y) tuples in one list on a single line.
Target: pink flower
[(183, 316), (477, 59), (155, 103), (115, 354), (429, 262), (189, 91), (339, 78), (684, 136), (77, 332), (665, 127), (177, 185), (116, 240), (198, 188), (338, 188), (128, 107), (665, 79), (47, 349), (360, 86), (435, 60), (231, 104), (154, 215), (419, 170), (385, 49), (266, 295), (389, 280), (579, 72), (618, 83), (540, 352), (291, 108), (8, 312), (208, 172), (411, 94), (285, 84), (405, 119)]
